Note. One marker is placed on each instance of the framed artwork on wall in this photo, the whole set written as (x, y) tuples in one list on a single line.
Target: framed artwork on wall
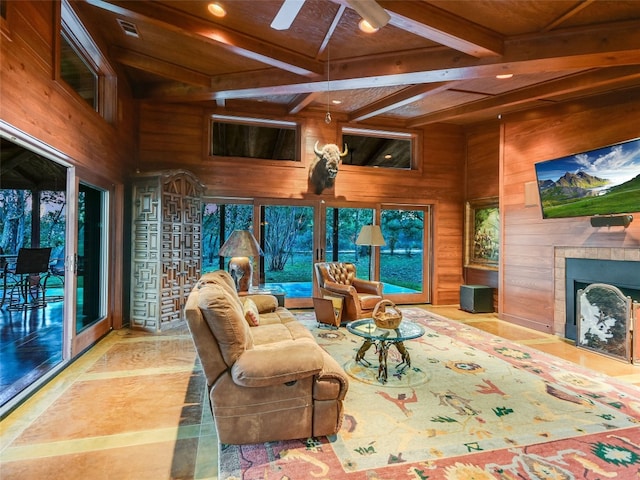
[(482, 233)]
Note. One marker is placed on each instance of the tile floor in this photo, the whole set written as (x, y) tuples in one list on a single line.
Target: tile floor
[(133, 407)]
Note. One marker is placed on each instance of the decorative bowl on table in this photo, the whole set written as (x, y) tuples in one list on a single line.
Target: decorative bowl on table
[(386, 315)]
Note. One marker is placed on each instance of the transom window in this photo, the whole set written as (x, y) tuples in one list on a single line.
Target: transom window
[(377, 148), (83, 68), (77, 72), (254, 138)]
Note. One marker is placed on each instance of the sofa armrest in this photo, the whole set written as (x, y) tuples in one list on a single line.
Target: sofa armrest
[(277, 363), (332, 383), (367, 286)]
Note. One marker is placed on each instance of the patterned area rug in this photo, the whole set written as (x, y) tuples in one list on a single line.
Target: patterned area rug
[(487, 409)]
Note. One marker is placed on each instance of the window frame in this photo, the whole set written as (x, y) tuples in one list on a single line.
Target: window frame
[(80, 39), (256, 121), (384, 132)]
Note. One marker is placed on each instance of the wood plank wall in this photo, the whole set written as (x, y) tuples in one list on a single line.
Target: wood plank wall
[(52, 117), (482, 174), (34, 102), (175, 136), (527, 253)]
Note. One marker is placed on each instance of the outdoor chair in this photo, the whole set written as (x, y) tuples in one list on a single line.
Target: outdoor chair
[(27, 290)]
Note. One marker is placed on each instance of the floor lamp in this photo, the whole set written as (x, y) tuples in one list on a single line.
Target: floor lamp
[(371, 235), (241, 245)]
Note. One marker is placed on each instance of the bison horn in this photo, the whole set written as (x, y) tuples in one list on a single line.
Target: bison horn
[(315, 149), (346, 150)]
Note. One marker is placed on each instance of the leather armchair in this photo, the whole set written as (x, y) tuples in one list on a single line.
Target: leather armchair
[(267, 379), (340, 278)]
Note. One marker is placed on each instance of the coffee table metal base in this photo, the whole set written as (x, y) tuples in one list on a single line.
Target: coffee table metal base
[(382, 349)]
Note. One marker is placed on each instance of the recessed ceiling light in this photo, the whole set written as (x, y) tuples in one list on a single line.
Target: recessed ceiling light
[(388, 156), (217, 10), (336, 102), (366, 26), (503, 76)]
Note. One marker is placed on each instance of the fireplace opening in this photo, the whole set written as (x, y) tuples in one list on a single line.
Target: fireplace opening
[(582, 272), (605, 321)]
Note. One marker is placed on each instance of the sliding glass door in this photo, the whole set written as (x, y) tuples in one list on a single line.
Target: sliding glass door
[(404, 260), (294, 236), (88, 263), (33, 214), (288, 241), (343, 224), (44, 204), (220, 217), (402, 264)]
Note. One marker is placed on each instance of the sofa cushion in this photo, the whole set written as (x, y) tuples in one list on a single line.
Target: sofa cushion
[(277, 363), (250, 311), (279, 315), (226, 320)]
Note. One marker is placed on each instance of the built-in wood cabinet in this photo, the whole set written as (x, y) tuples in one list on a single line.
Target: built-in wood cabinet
[(166, 246)]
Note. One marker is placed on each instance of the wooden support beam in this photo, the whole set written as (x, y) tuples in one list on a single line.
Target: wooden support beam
[(575, 83), (242, 45)]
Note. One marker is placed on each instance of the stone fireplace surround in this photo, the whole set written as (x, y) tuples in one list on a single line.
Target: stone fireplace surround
[(598, 253)]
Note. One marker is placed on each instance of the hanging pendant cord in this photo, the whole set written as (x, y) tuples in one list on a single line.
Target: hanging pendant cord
[(327, 118)]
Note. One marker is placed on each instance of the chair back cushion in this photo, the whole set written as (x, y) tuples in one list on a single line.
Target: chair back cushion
[(338, 272)]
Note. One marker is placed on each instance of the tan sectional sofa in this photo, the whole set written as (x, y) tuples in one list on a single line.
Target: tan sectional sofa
[(269, 381)]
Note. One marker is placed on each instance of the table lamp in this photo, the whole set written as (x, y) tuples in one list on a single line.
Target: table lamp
[(241, 245), (370, 235)]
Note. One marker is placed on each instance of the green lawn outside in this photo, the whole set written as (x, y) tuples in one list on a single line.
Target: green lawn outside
[(397, 269)]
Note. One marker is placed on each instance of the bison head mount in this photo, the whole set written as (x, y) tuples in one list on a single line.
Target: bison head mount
[(324, 166)]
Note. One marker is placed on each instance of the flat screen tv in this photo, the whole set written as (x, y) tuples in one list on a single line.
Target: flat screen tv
[(605, 181)]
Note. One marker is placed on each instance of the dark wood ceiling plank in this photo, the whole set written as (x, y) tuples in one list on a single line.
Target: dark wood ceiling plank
[(570, 84), (235, 42), (403, 97), (158, 67)]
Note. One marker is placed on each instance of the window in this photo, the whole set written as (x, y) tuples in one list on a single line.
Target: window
[(219, 220), (376, 148), (75, 70), (342, 227), (254, 138), (83, 68)]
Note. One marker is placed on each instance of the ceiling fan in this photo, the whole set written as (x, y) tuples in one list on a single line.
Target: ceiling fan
[(369, 10)]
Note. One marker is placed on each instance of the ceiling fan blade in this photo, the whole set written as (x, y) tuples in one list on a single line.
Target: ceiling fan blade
[(371, 11), (287, 14)]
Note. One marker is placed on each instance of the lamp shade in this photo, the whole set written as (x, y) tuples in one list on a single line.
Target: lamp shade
[(241, 243), (371, 235)]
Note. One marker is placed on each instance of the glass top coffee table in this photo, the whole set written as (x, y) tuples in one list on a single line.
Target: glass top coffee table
[(383, 338)]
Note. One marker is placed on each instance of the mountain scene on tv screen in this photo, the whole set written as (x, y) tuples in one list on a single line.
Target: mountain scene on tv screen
[(599, 182)]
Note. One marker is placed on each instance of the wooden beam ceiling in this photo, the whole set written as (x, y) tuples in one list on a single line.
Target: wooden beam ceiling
[(567, 50), (457, 51)]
